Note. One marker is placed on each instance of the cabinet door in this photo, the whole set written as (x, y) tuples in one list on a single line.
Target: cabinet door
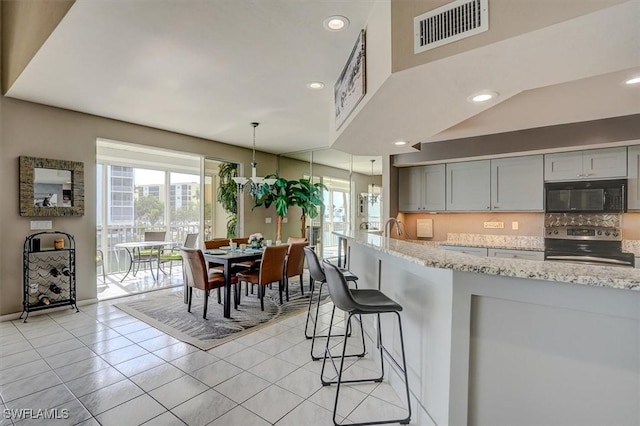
[(410, 189), (476, 251), (433, 188), (517, 183), (604, 163), (516, 254), (563, 166), (634, 178), (468, 186)]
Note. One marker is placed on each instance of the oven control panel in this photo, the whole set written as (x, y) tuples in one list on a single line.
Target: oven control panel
[(594, 233)]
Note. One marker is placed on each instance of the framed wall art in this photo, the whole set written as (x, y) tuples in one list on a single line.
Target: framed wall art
[(351, 85)]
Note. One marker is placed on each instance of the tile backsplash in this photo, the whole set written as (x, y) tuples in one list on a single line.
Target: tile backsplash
[(609, 220)]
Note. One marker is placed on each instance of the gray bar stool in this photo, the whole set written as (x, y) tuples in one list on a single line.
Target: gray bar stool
[(361, 302), (316, 273)]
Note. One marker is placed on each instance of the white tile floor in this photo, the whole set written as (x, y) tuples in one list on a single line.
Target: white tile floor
[(102, 366)]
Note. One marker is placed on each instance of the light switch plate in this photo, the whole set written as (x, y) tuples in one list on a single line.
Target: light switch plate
[(494, 225), (267, 220), (41, 224), (285, 220)]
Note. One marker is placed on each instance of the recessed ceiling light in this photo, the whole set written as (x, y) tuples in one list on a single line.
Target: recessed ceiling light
[(400, 143), (634, 80), (315, 85), (335, 23), (483, 96)]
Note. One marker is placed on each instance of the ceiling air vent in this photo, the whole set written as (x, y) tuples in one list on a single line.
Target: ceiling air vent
[(449, 23)]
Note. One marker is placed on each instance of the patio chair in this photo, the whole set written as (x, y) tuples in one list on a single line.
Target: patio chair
[(147, 255), (100, 263), (174, 255)]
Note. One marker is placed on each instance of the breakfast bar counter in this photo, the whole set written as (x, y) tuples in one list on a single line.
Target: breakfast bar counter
[(507, 341)]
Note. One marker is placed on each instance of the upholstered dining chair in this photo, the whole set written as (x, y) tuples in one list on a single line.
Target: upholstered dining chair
[(216, 243), (199, 276), (294, 265), (271, 270), (292, 240)]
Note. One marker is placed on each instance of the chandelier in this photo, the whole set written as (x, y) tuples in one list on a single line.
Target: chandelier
[(254, 180), (371, 197)]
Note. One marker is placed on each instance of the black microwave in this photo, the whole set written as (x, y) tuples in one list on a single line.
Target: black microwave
[(596, 196)]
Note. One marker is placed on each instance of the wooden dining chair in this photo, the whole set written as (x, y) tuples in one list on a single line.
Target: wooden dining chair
[(271, 270), (199, 276), (294, 265)]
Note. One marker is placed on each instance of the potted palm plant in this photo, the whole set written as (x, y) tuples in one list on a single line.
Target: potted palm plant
[(281, 194), (227, 191), (287, 193), (309, 199)]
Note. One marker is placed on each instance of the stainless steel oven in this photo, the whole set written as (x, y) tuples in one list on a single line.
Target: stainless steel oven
[(586, 245)]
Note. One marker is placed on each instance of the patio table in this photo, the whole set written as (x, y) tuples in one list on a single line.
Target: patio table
[(132, 247)]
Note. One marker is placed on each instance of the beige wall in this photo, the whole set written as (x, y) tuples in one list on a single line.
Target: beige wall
[(41, 131), (507, 18)]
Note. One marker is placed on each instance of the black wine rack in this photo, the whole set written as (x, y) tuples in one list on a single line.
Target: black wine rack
[(49, 271)]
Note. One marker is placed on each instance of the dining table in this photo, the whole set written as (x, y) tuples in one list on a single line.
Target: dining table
[(229, 257), (134, 247)]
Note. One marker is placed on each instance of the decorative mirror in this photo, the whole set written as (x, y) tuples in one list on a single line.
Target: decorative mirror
[(51, 187)]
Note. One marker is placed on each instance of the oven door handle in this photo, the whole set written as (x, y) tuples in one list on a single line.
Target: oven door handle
[(588, 259)]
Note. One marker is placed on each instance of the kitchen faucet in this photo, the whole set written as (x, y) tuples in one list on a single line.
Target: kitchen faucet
[(396, 222)]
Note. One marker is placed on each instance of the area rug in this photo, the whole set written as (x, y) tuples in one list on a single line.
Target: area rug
[(167, 312)]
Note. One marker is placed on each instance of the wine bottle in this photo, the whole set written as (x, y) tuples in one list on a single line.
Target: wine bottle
[(65, 271), (55, 289), (43, 299), (54, 272)]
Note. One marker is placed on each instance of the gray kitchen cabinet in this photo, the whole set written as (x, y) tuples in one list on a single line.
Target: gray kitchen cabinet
[(590, 164), (516, 254), (633, 193), (410, 189), (421, 189), (517, 183), (476, 251), (468, 186)]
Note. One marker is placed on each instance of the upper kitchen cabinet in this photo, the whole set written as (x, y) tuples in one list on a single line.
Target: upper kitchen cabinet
[(517, 184), (468, 186), (633, 203), (421, 189), (592, 164)]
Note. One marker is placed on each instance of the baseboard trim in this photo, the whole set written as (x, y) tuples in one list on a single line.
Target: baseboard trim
[(16, 315)]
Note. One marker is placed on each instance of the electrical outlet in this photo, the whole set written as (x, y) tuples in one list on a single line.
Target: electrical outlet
[(494, 225), (267, 220), (514, 225), (285, 220)]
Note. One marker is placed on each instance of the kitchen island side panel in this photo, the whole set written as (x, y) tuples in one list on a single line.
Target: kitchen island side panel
[(426, 297), (467, 336)]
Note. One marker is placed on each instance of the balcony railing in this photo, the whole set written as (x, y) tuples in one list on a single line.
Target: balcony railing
[(116, 260)]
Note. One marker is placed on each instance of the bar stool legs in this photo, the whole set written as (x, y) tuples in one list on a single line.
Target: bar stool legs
[(377, 379), (314, 335)]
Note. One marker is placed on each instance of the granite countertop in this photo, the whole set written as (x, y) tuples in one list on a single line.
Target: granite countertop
[(429, 256)]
